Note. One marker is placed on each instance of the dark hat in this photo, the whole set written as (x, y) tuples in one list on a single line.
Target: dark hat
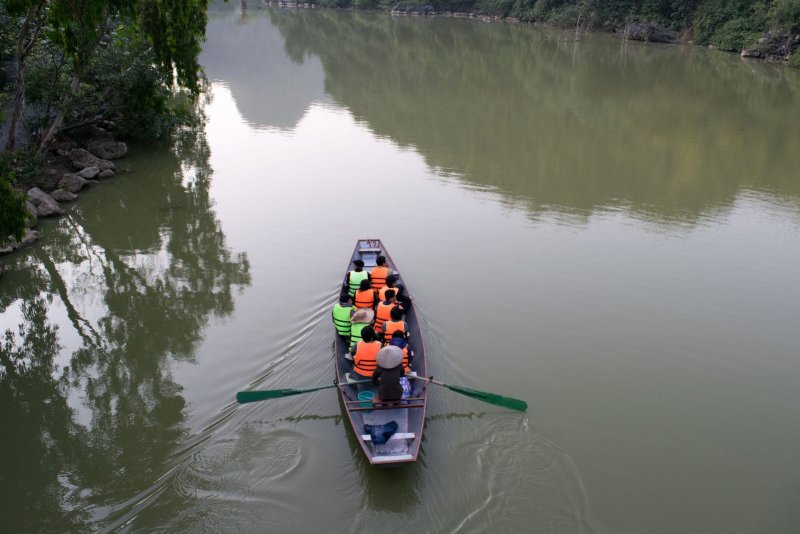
[(358, 263), (398, 341)]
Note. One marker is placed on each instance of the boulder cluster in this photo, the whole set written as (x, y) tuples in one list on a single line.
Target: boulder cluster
[(89, 164)]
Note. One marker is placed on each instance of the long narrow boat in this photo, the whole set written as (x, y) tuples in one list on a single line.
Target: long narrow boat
[(403, 445)]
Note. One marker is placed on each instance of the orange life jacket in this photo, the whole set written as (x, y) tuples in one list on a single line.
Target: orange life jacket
[(366, 357), (382, 292), (379, 275), (365, 298), (390, 327), (383, 313)]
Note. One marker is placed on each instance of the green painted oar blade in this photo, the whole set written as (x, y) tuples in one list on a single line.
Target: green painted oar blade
[(244, 397), (491, 398)]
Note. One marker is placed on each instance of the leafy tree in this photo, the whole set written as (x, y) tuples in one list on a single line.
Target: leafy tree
[(174, 28)]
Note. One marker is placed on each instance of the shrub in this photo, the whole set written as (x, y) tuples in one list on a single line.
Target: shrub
[(730, 24), (12, 210), (737, 34), (786, 14)]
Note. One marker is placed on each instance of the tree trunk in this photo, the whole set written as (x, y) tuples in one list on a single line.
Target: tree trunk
[(25, 41), (59, 120)]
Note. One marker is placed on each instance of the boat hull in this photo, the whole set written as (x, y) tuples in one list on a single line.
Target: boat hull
[(404, 444)]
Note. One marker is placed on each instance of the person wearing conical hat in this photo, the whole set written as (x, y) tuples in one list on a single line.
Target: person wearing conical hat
[(361, 317), (388, 373)]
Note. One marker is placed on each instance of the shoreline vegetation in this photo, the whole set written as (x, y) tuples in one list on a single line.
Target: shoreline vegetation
[(765, 29), (80, 77)]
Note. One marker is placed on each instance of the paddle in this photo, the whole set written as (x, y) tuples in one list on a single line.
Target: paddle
[(243, 397), (491, 398)]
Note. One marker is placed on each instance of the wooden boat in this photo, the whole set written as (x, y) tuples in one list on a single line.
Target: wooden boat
[(403, 445)]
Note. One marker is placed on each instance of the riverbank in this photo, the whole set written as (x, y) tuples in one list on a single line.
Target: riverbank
[(771, 33), (74, 163)]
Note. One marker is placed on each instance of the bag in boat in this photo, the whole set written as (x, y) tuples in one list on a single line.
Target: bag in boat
[(380, 434)]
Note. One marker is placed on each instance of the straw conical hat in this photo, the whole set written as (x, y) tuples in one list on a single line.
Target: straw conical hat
[(389, 357), (362, 315)]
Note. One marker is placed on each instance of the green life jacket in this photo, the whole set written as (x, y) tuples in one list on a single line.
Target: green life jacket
[(355, 281), (355, 333), (341, 318)]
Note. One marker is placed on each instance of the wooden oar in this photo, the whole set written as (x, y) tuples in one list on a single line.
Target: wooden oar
[(243, 397), (491, 398)]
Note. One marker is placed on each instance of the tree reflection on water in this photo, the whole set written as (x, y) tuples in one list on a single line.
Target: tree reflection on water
[(89, 425), (668, 133)]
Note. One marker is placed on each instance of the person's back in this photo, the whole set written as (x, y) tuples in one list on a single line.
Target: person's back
[(341, 315), (401, 343), (365, 353), (387, 374), (384, 309), (395, 324), (354, 278), (399, 290), (379, 273), (365, 295), (361, 317)]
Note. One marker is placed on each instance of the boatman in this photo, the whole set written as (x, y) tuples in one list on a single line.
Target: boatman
[(342, 311), (380, 273), (353, 279)]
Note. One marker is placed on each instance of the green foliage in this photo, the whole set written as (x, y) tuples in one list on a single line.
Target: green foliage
[(176, 28), (786, 14), (564, 16), (737, 34), (122, 81), (794, 59), (730, 24), (12, 209)]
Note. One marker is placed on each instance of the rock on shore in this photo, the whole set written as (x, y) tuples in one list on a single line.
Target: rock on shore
[(46, 205), (649, 32)]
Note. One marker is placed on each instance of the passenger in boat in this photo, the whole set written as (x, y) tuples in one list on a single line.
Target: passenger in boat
[(353, 279), (361, 317), (401, 343), (342, 311), (365, 296), (395, 324), (388, 374), (365, 353), (391, 283), (379, 273), (384, 309)]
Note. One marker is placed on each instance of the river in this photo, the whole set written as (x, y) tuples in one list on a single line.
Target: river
[(607, 230)]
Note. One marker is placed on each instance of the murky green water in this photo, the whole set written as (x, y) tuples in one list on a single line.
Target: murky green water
[(610, 232)]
